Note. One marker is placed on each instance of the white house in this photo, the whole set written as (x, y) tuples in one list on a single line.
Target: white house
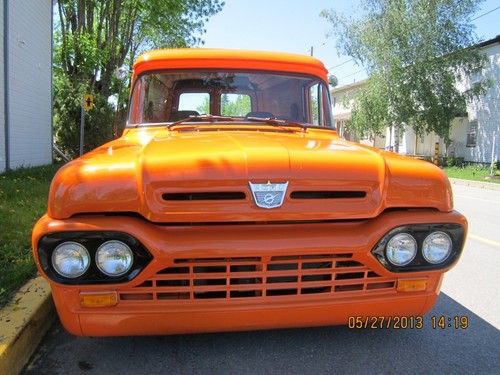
[(25, 83), (342, 100), (471, 137)]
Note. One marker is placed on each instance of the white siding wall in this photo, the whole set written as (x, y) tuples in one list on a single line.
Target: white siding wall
[(341, 111), (377, 142), (458, 137), (30, 103), (425, 145), (486, 110), (2, 118)]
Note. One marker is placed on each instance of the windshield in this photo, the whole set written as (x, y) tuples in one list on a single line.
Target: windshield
[(170, 96)]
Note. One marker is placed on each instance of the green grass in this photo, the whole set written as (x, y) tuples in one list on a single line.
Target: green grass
[(471, 172), (23, 200)]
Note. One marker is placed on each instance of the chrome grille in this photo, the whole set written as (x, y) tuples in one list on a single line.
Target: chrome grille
[(259, 277)]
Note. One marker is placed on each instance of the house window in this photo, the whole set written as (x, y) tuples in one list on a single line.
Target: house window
[(472, 134)]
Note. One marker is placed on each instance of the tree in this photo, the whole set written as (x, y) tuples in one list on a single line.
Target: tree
[(235, 105), (415, 52), (204, 107), (95, 37)]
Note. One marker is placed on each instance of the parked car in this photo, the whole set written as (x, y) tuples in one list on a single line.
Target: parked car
[(230, 203)]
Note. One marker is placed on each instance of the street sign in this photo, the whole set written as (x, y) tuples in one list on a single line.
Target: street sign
[(88, 102), (87, 105)]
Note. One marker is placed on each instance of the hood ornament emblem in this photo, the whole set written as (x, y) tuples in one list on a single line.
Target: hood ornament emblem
[(269, 195)]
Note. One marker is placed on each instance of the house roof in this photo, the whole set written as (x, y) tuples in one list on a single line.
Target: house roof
[(362, 82), (348, 87), (489, 42), (188, 58)]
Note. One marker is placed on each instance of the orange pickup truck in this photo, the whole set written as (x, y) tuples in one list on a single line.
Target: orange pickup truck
[(231, 203)]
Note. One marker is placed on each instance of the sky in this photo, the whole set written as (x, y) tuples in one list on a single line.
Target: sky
[(295, 26)]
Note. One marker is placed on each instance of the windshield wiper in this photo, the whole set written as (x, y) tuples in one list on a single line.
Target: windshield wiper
[(210, 118), (277, 122), (214, 118)]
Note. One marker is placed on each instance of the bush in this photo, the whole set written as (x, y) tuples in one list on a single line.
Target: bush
[(453, 161), (67, 110)]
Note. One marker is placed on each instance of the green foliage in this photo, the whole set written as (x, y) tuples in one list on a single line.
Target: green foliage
[(23, 199), (415, 51), (235, 105), (98, 121), (369, 111), (204, 108), (453, 161), (94, 38), (314, 106)]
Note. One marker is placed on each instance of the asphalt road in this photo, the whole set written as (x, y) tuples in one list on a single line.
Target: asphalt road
[(471, 289)]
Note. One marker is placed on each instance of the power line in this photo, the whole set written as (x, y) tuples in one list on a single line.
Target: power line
[(350, 75), (484, 14), (481, 15), (359, 71), (342, 63)]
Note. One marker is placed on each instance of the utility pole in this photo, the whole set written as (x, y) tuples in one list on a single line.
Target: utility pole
[(312, 50), (493, 158)]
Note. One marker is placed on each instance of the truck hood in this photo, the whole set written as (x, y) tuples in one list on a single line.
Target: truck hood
[(203, 175)]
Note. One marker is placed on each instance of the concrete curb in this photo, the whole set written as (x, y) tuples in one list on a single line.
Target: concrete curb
[(477, 184), (23, 323)]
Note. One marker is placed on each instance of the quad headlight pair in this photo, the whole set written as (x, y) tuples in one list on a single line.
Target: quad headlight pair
[(71, 259), (402, 248), (418, 247)]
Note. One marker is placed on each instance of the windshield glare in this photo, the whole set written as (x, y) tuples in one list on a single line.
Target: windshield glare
[(166, 97)]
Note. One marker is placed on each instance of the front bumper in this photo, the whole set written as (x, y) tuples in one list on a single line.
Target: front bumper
[(159, 301)]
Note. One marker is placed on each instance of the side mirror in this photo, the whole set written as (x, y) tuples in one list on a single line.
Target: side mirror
[(121, 73), (333, 80)]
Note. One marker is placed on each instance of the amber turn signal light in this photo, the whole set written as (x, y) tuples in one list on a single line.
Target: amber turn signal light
[(412, 285), (98, 299)]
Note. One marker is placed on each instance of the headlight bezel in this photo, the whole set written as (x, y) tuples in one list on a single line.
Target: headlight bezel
[(420, 232), (91, 240)]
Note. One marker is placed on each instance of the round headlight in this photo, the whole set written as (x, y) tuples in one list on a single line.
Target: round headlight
[(401, 249), (437, 247), (70, 259), (114, 258)]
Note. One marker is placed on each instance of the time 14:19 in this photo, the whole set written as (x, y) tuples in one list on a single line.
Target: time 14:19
[(456, 322)]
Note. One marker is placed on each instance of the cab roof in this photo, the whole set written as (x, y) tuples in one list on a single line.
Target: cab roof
[(189, 58)]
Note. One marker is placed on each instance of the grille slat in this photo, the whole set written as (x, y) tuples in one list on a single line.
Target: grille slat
[(251, 274), (272, 285), (260, 278)]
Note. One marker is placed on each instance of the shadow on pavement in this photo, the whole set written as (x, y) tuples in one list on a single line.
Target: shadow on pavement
[(322, 350)]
